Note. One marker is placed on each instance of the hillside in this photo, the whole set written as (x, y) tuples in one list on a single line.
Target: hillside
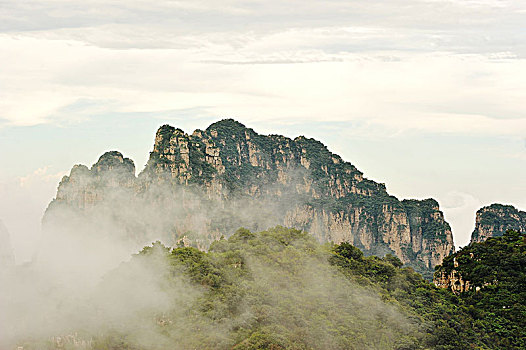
[(281, 289), (198, 187)]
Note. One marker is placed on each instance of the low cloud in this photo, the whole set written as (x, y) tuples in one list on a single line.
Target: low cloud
[(22, 204)]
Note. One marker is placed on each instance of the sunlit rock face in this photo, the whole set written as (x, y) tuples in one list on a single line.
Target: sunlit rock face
[(494, 220), (7, 257), (452, 279), (206, 184)]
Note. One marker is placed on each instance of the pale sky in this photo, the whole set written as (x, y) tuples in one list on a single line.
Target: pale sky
[(427, 96)]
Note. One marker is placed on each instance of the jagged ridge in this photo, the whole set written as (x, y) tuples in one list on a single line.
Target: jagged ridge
[(297, 182)]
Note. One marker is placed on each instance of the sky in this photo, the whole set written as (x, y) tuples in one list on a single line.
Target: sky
[(427, 96)]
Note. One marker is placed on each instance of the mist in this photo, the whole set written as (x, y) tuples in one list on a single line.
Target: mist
[(87, 287)]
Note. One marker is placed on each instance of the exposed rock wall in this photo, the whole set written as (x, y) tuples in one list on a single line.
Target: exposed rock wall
[(495, 220), (452, 280), (84, 187), (229, 176)]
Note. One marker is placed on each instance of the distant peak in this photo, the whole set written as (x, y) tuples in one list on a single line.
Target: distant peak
[(165, 129), (111, 155), (498, 206), (428, 201), (493, 221), (7, 257), (112, 159), (227, 123)]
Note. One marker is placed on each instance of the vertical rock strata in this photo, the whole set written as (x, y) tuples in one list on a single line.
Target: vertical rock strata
[(84, 187), (494, 220), (452, 280), (229, 176)]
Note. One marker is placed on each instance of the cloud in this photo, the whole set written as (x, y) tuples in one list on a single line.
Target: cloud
[(460, 208), (389, 69), (40, 175), (439, 92), (24, 200), (455, 72)]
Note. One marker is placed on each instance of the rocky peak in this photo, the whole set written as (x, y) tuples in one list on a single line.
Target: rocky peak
[(494, 220), (228, 126), (114, 161), (84, 186), (429, 229), (259, 181), (227, 153)]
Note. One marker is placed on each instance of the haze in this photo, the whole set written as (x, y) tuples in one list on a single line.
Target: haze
[(426, 96)]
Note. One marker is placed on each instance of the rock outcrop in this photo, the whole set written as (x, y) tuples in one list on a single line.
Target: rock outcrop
[(452, 280), (84, 187), (494, 220), (208, 183), (7, 257)]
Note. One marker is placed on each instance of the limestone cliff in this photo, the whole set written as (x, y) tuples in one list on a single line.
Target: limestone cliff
[(212, 181), (494, 220), (7, 257), (452, 279), (84, 187)]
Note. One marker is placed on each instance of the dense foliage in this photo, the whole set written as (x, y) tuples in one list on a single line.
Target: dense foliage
[(496, 270), (281, 289)]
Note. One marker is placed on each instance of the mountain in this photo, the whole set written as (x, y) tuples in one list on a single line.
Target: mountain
[(489, 278), (197, 187), (7, 257), (494, 220)]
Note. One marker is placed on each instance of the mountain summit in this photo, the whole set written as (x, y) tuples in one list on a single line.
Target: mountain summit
[(197, 187), (495, 219)]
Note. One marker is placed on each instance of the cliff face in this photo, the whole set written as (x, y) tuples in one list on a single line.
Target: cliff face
[(84, 187), (7, 257), (495, 220), (213, 181), (452, 279)]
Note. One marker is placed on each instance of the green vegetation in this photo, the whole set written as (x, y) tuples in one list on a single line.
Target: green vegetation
[(231, 136), (165, 132), (280, 289), (202, 171), (497, 267)]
